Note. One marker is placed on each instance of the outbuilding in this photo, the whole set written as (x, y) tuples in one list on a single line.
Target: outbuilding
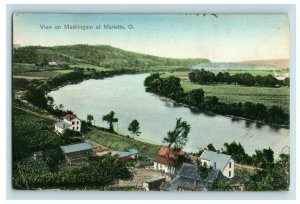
[(77, 153)]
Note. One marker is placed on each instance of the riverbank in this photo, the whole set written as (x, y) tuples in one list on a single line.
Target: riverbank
[(232, 117), (231, 93), (171, 87)]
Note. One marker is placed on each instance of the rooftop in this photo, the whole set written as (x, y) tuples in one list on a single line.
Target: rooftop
[(77, 147), (62, 124), (188, 178), (189, 171), (133, 151), (171, 153), (221, 160), (155, 179), (122, 154), (70, 117)]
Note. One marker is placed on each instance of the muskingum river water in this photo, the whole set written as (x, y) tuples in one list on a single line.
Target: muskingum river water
[(126, 96)]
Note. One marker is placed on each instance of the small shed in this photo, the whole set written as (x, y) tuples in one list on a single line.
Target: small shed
[(38, 156), (153, 184), (127, 155), (124, 156), (133, 153)]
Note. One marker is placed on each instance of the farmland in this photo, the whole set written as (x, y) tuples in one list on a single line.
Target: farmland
[(119, 142), (43, 74), (229, 93)]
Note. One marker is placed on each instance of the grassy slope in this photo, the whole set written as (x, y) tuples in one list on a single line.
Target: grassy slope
[(232, 93), (119, 142), (110, 140)]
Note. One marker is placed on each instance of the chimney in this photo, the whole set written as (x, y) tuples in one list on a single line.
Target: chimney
[(215, 165)]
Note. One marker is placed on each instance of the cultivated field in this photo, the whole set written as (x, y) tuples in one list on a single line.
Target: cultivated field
[(119, 142), (229, 93), (42, 74)]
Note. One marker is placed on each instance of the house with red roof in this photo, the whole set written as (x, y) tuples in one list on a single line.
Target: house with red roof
[(168, 160), (70, 121)]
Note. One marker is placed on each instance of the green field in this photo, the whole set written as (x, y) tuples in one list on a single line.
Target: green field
[(119, 142), (229, 93), (43, 74), (91, 66), (235, 93)]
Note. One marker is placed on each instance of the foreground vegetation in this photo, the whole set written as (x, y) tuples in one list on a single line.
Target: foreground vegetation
[(32, 132)]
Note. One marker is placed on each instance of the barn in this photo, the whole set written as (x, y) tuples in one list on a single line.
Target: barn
[(77, 153)]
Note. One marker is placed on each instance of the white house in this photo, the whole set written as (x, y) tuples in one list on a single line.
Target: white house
[(52, 63), (168, 160), (281, 77), (70, 121), (218, 161)]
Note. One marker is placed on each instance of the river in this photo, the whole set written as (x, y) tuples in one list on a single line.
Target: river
[(126, 96)]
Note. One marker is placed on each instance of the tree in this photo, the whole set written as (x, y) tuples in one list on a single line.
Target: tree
[(263, 158), (89, 118), (61, 106), (50, 101), (53, 158), (275, 177), (110, 119), (179, 136), (211, 147), (134, 128), (36, 96), (195, 97), (236, 150)]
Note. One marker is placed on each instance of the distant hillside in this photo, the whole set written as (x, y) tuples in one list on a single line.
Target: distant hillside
[(279, 63), (98, 55)]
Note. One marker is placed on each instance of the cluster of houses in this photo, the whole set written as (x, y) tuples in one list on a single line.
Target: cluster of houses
[(78, 153), (186, 176)]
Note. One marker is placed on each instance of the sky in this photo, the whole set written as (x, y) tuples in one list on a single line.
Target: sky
[(221, 38)]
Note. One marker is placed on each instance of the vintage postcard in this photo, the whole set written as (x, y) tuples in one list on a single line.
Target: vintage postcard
[(151, 102)]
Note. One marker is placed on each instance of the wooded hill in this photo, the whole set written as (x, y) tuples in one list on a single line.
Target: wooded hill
[(98, 55)]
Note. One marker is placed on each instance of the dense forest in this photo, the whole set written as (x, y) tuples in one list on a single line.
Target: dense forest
[(171, 88), (206, 77), (98, 55)]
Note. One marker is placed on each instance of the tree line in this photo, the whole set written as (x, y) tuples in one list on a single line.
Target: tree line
[(206, 77), (171, 88)]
